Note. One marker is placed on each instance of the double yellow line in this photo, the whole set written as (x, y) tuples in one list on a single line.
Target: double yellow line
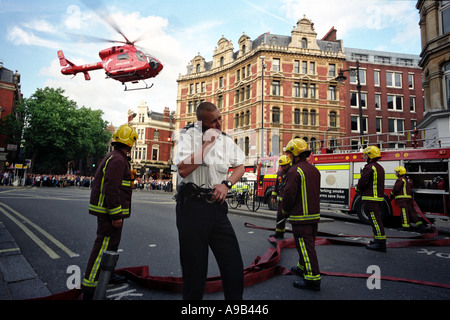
[(52, 254)]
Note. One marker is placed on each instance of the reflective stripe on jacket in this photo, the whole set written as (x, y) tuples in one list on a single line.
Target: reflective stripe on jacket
[(301, 198), (111, 190), (402, 189), (371, 183)]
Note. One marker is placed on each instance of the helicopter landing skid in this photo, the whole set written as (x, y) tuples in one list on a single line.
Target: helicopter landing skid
[(134, 89)]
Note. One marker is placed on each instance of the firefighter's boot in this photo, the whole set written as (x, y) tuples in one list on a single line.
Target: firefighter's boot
[(377, 245)]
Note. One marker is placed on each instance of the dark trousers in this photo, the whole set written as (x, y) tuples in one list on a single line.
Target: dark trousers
[(305, 238), (281, 218), (202, 226), (373, 211), (108, 239), (408, 214)]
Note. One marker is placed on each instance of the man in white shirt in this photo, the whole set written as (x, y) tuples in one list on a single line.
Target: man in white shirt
[(204, 154)]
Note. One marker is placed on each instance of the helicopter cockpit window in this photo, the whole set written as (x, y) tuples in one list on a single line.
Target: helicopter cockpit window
[(123, 56), (153, 63), (141, 56)]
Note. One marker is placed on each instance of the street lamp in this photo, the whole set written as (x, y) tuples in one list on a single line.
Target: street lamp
[(263, 66), (342, 78)]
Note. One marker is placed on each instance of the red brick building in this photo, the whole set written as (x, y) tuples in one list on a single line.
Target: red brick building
[(153, 150), (9, 95), (391, 94)]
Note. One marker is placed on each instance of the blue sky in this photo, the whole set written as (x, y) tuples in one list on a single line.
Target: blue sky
[(174, 31)]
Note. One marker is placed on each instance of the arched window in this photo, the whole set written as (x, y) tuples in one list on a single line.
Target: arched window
[(197, 68), (304, 43)]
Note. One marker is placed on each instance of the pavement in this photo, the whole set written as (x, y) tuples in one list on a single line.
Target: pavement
[(18, 281)]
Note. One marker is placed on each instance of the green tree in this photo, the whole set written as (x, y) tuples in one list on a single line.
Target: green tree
[(57, 132)]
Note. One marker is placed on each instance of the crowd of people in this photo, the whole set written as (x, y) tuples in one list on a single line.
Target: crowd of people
[(72, 180)]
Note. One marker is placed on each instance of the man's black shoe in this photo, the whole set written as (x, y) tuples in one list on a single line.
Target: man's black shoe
[(301, 284)]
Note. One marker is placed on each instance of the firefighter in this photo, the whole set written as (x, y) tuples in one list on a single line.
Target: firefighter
[(402, 195), (110, 201), (371, 188), (277, 195), (301, 203)]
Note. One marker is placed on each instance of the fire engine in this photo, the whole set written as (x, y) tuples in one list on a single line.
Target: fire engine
[(428, 171)]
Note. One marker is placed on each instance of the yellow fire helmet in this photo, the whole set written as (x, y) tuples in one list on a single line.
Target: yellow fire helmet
[(400, 170), (284, 160), (373, 152), (297, 146), (125, 134)]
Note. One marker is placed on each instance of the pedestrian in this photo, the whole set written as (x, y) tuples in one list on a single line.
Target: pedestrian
[(110, 201), (371, 188), (301, 203), (402, 195), (203, 156), (284, 163)]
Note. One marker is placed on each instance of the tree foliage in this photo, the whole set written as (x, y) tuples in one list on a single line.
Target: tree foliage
[(56, 131)]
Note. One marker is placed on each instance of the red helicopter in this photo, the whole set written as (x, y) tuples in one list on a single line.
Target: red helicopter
[(122, 63)]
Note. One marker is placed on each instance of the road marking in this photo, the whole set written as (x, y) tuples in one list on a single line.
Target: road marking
[(38, 241)]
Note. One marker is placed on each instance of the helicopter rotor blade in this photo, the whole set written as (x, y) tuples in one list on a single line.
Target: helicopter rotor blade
[(106, 16)]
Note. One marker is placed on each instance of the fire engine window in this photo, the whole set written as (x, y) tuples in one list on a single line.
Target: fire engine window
[(123, 56)]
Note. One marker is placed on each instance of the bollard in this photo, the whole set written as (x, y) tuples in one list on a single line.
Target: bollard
[(107, 265)]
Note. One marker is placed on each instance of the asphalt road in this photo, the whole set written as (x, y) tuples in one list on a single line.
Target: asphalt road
[(55, 234)]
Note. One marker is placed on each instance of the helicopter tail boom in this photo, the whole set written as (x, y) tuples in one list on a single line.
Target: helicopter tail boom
[(74, 69)]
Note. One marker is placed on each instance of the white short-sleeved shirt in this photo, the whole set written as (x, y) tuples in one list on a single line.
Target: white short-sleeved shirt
[(214, 167)]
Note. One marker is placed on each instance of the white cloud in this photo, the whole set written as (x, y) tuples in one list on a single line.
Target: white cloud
[(353, 15), (19, 36)]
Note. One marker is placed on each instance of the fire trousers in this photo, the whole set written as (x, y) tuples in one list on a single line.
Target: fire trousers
[(108, 239), (407, 213), (373, 211), (281, 219), (201, 226), (305, 238)]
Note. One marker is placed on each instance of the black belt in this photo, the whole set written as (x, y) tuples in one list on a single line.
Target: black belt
[(190, 191)]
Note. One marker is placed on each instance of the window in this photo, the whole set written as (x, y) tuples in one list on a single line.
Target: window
[(296, 66), (276, 65), (248, 90), (332, 70), (377, 101), (396, 125), (354, 99), (304, 43), (355, 124), (305, 116), (312, 91), (304, 90), (297, 89), (333, 119), (276, 115), (313, 117), (395, 103), (378, 124), (297, 116), (312, 68), (190, 106), (220, 102), (447, 84), (276, 88), (445, 16), (247, 118), (197, 68), (362, 76), (376, 78), (394, 79), (221, 61), (412, 104), (156, 135), (122, 56), (304, 67), (411, 81), (332, 92)]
